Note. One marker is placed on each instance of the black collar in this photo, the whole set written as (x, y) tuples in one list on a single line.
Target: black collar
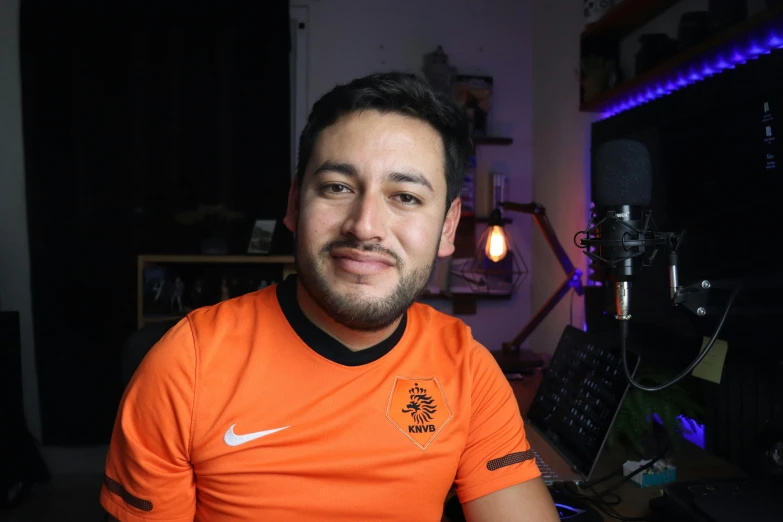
[(321, 342)]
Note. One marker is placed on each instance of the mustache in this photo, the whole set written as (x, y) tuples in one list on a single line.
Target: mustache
[(363, 247)]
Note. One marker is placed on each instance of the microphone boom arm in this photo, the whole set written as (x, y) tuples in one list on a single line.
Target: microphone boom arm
[(696, 297)]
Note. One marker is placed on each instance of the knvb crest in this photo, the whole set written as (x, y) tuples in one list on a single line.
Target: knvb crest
[(418, 408)]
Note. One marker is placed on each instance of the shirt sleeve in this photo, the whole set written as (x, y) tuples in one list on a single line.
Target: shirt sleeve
[(497, 454), (148, 475)]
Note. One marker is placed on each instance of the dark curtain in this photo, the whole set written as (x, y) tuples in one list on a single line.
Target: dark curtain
[(132, 112)]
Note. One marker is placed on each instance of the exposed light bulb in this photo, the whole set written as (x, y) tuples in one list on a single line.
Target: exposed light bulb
[(496, 247)]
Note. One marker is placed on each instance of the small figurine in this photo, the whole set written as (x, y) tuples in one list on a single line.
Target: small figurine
[(176, 295), (196, 293), (438, 72), (157, 288), (224, 293)]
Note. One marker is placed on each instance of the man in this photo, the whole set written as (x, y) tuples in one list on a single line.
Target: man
[(332, 396)]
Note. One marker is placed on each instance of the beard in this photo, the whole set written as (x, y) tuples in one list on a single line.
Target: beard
[(354, 309)]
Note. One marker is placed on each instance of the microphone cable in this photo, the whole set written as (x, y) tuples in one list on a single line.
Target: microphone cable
[(686, 371)]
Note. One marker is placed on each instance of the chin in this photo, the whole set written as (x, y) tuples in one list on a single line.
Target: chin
[(370, 286)]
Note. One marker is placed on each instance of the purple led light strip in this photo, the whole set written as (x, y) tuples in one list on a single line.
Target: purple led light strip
[(763, 39)]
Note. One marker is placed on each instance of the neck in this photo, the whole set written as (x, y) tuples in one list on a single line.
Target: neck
[(354, 340)]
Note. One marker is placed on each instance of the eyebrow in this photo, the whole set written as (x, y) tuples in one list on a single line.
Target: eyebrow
[(414, 177), (342, 168), (411, 176)]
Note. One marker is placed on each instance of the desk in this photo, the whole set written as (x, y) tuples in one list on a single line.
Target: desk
[(692, 462)]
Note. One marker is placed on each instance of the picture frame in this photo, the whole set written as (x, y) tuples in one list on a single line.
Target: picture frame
[(473, 94), (261, 236)]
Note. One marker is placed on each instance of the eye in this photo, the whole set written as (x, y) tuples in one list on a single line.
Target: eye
[(408, 200), (334, 188)]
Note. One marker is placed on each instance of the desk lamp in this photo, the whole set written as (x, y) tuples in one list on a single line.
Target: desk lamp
[(494, 246)]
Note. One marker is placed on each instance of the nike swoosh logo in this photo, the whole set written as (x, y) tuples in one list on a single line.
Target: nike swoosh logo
[(232, 439)]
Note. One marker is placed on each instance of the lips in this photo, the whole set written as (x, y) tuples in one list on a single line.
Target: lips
[(361, 263), (362, 257)]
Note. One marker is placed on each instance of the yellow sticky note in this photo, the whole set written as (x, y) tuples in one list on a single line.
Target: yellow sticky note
[(711, 367)]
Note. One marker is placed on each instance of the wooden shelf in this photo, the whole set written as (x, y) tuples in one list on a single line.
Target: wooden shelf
[(624, 18), (151, 319), (485, 219), (463, 303), (166, 258), (492, 140), (151, 260), (681, 60), (477, 295)]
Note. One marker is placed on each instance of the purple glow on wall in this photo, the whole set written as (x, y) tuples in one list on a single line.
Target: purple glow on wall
[(764, 39), (690, 430)]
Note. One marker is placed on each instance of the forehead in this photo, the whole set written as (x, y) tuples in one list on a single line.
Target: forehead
[(377, 144)]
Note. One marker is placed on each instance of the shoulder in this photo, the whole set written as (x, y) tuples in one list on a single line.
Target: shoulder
[(238, 316), (435, 322), (450, 332), (203, 335), (201, 340)]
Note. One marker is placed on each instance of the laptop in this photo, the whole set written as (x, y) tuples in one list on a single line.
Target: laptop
[(575, 406)]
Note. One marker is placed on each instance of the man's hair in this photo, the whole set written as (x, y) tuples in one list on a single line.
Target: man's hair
[(398, 93)]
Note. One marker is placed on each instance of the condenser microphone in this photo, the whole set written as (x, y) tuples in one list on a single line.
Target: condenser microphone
[(622, 237)]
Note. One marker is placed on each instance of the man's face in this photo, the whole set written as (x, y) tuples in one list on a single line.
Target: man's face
[(369, 217)]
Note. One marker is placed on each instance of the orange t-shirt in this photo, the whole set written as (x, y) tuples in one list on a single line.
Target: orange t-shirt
[(233, 416)]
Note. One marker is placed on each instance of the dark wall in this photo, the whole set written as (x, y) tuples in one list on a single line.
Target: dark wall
[(709, 152), (132, 112)]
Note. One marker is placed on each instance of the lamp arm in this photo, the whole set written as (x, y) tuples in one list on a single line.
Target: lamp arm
[(523, 208), (557, 248), (542, 312), (573, 275), (538, 212)]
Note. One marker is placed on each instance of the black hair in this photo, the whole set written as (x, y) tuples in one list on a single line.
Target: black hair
[(400, 93)]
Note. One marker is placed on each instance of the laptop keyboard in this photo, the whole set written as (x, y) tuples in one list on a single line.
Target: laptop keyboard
[(543, 467), (579, 396)]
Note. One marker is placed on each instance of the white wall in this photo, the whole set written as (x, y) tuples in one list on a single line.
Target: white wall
[(14, 254), (351, 38), (560, 156)]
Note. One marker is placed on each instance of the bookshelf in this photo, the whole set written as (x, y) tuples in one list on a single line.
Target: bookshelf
[(189, 266)]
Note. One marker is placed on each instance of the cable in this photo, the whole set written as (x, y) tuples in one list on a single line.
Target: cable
[(571, 310), (614, 514), (630, 476), (571, 490), (599, 500), (602, 505), (626, 478), (591, 483), (689, 369)]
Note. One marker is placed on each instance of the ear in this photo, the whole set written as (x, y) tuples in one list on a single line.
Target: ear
[(291, 218), (449, 231)]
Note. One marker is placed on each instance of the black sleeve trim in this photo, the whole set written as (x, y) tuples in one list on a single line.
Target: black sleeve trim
[(508, 460), (119, 490)]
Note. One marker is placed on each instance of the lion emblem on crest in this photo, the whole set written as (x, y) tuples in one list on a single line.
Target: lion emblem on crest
[(422, 406)]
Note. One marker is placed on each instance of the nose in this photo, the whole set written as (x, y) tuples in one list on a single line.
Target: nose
[(367, 220)]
